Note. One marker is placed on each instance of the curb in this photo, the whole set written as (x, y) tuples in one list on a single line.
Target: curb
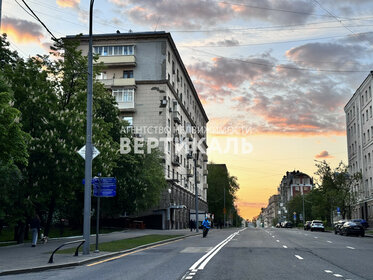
[(78, 263)]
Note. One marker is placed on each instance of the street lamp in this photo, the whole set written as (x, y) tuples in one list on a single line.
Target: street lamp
[(196, 187), (88, 150)]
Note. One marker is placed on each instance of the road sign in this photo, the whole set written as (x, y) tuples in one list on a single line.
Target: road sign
[(104, 192), (95, 152)]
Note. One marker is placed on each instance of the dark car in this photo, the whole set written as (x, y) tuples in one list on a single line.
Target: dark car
[(337, 226), (287, 224), (351, 228), (363, 222), (307, 225)]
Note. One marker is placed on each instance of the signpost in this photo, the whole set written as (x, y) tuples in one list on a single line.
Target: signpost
[(102, 187), (295, 217)]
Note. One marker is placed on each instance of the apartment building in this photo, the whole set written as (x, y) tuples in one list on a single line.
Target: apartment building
[(156, 96), (359, 127), (270, 213), (294, 183)]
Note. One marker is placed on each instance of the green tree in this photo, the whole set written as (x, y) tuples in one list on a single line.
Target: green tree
[(218, 180)]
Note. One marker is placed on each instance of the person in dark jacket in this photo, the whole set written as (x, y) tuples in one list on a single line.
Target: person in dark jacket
[(35, 226)]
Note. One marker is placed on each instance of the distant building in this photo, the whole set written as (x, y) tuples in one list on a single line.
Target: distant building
[(270, 213), (359, 127), (155, 95), (294, 183)]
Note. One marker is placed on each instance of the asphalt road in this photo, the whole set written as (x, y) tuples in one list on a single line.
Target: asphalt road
[(236, 254)]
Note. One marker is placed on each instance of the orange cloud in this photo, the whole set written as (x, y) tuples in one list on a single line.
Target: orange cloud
[(22, 31), (68, 3), (323, 154)]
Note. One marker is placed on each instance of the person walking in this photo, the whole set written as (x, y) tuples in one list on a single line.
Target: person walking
[(206, 226), (35, 226)]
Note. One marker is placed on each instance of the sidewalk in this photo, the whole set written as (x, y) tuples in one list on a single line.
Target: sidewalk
[(24, 258)]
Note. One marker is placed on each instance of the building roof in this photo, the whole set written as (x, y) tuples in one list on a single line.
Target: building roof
[(147, 35)]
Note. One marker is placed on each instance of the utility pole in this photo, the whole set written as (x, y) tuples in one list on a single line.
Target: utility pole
[(89, 147), (0, 13), (304, 216), (196, 187), (225, 210)]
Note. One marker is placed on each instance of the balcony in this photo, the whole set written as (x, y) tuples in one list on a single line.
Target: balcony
[(190, 172), (126, 106), (176, 161), (205, 186), (116, 60), (198, 178), (176, 117), (120, 82), (204, 157), (205, 172)]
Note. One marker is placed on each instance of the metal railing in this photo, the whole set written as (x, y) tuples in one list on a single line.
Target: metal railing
[(81, 241)]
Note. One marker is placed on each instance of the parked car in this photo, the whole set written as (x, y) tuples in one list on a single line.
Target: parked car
[(363, 222), (307, 225), (287, 224), (351, 228), (317, 225), (337, 226)]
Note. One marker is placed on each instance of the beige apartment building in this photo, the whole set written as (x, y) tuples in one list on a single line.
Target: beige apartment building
[(359, 127), (155, 95)]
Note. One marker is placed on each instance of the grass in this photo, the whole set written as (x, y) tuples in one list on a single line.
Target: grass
[(369, 232), (7, 234), (123, 244)]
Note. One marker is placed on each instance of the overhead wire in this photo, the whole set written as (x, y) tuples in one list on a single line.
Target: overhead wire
[(39, 20)]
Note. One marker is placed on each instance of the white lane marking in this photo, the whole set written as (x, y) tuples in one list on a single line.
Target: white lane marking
[(316, 237), (349, 247), (284, 246), (273, 236), (329, 241), (201, 263), (328, 271), (298, 257), (277, 240), (192, 273), (338, 275), (306, 234), (189, 277)]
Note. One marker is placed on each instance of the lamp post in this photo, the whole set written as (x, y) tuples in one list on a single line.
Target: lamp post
[(196, 187), (88, 150)]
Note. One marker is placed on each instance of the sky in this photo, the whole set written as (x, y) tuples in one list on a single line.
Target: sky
[(273, 75)]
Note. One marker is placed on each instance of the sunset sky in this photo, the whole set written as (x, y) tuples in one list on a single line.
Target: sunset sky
[(273, 74)]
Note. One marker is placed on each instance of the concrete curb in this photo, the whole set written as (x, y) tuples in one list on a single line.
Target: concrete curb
[(93, 259)]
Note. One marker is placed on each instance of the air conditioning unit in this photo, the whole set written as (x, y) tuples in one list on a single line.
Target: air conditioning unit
[(163, 102)]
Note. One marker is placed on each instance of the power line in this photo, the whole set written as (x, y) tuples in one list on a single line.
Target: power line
[(25, 10), (42, 23), (272, 9), (282, 66)]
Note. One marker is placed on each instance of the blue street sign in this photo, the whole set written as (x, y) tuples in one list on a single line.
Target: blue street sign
[(104, 193), (104, 186), (338, 209)]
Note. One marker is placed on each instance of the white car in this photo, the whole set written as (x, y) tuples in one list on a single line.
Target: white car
[(317, 225)]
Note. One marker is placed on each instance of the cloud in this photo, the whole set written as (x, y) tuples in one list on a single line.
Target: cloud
[(227, 43), (198, 14), (247, 204), (328, 55), (323, 154), (22, 31), (68, 3)]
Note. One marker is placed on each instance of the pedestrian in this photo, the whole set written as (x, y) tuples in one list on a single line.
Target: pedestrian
[(191, 225), (35, 226), (206, 226)]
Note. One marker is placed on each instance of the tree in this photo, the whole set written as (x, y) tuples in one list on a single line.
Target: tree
[(337, 187), (218, 180), (13, 156)]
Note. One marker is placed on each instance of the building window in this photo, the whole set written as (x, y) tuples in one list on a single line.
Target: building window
[(168, 77), (169, 149), (114, 50), (124, 95), (173, 67), (168, 57), (129, 120), (168, 171), (127, 74)]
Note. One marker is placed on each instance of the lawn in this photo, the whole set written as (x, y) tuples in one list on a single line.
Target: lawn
[(124, 244)]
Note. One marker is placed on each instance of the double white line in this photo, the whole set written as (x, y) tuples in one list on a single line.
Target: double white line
[(202, 262)]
